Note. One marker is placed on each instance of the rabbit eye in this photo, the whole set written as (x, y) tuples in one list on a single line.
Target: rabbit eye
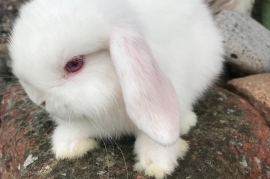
[(74, 65)]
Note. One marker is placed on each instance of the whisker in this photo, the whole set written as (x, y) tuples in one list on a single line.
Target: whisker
[(28, 105), (7, 84), (12, 89), (24, 107), (105, 148), (30, 120), (111, 138)]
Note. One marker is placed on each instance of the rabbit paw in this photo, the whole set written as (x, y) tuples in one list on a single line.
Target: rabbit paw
[(70, 140), (152, 170), (155, 160), (188, 122), (74, 148)]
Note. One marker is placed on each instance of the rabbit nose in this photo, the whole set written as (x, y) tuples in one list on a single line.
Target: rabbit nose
[(43, 103)]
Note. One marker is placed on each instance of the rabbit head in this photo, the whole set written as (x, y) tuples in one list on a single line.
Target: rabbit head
[(80, 59)]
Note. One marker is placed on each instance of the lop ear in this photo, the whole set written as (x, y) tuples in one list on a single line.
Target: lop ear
[(150, 98)]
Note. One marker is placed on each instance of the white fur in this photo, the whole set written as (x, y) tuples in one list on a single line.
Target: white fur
[(157, 160), (188, 121), (181, 36)]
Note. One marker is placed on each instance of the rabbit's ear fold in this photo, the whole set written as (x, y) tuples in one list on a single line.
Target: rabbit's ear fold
[(150, 98)]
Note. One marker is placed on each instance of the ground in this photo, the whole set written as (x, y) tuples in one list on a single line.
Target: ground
[(231, 140)]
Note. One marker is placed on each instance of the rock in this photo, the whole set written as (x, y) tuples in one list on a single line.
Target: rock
[(230, 141), (256, 89), (247, 42)]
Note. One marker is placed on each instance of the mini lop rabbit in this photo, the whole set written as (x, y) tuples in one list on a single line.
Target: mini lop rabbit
[(104, 68)]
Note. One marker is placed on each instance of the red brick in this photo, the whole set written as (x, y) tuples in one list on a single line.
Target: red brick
[(256, 89)]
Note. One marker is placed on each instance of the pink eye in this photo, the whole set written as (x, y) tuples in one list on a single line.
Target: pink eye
[(74, 65)]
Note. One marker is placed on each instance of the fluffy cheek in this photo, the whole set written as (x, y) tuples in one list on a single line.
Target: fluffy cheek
[(91, 94)]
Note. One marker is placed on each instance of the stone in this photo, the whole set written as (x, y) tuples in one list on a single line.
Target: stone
[(247, 42), (230, 141), (255, 88)]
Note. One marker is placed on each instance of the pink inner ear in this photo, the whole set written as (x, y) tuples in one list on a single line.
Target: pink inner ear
[(150, 98)]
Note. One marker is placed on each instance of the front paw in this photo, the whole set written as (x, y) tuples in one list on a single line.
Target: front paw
[(73, 148), (158, 161)]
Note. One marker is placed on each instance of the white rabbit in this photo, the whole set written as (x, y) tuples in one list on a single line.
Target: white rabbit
[(106, 68)]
